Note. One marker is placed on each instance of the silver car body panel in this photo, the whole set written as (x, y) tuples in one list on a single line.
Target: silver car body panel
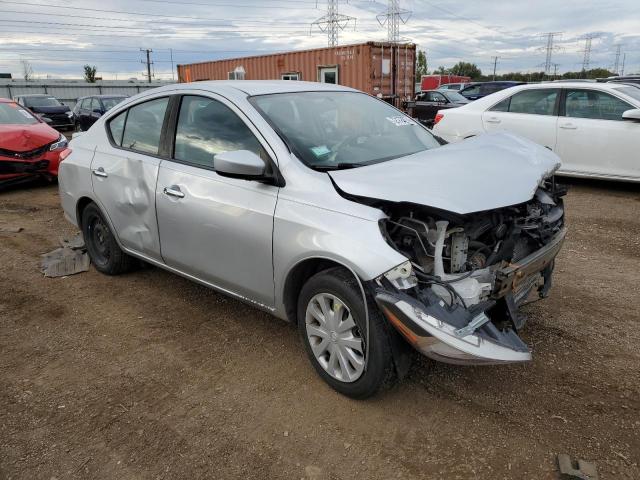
[(244, 238), (512, 168)]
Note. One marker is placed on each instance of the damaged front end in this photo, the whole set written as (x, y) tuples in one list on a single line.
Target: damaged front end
[(457, 299)]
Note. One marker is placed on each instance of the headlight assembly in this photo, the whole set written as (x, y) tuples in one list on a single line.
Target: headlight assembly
[(59, 144)]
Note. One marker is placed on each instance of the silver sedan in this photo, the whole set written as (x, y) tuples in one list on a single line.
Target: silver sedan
[(328, 208)]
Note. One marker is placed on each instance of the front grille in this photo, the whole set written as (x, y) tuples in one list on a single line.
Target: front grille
[(59, 118), (37, 152)]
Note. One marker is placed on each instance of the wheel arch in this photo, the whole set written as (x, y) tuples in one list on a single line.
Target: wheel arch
[(298, 276)]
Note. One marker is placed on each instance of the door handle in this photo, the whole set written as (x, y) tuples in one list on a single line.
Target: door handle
[(568, 126), (493, 120), (173, 191), (99, 172)]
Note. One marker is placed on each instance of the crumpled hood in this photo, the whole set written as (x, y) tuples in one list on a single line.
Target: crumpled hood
[(482, 173), (23, 138)]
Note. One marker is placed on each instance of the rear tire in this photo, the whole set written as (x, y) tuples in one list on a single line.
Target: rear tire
[(104, 251), (337, 348)]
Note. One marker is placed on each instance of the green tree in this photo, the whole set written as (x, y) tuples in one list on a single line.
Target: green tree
[(90, 73), (421, 64), (441, 70), (466, 69)]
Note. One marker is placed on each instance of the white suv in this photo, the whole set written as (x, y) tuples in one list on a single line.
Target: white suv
[(593, 127)]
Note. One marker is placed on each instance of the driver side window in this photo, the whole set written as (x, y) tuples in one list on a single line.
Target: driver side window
[(207, 127)]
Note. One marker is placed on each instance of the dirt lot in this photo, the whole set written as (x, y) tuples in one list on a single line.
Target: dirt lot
[(150, 376)]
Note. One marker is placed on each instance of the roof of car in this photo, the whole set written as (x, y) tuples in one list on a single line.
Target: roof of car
[(262, 87), (113, 95), (34, 95)]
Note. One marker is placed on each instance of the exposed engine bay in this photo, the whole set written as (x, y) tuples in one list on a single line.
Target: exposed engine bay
[(471, 272)]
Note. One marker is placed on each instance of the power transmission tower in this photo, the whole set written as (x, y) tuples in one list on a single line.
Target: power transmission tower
[(333, 22), (550, 48), (616, 65), (392, 18), (495, 65), (586, 59), (624, 58), (148, 62), (555, 70)]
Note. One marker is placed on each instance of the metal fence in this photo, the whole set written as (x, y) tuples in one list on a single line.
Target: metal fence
[(68, 92)]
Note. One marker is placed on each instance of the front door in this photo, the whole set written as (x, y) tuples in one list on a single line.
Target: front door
[(215, 228), (529, 113), (329, 75), (594, 139)]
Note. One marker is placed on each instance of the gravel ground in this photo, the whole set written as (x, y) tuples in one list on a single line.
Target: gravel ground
[(150, 376)]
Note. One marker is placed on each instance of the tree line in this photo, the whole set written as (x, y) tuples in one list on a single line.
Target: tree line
[(468, 69)]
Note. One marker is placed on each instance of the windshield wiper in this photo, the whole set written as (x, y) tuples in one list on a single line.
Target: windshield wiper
[(338, 166)]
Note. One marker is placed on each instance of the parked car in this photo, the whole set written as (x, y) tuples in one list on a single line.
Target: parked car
[(49, 109), (29, 148), (632, 79), (474, 91), (327, 207), (453, 86), (428, 103), (90, 109), (593, 127)]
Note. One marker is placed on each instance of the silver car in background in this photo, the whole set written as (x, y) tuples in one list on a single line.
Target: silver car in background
[(328, 208)]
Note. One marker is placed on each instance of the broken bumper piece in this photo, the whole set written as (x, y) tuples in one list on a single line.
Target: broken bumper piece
[(449, 335)]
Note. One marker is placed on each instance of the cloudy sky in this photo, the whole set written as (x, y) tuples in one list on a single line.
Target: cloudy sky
[(57, 37)]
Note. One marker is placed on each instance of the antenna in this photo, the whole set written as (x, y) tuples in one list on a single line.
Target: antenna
[(392, 18), (550, 48), (333, 22)]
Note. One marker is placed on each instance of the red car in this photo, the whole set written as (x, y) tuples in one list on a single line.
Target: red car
[(28, 146)]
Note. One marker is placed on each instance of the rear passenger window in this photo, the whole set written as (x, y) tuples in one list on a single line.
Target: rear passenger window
[(144, 126), (535, 102), (116, 127), (206, 127)]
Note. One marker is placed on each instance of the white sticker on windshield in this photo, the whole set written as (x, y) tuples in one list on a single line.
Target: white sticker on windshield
[(401, 120), (320, 151), (25, 113)]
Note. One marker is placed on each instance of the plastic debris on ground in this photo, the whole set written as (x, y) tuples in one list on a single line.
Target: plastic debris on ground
[(69, 259), (584, 470)]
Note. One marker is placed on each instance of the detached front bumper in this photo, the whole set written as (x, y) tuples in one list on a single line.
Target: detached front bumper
[(454, 334)]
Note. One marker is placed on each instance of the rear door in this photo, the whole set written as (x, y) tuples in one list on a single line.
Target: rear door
[(216, 228), (125, 171), (594, 139), (83, 113), (95, 112), (531, 113)]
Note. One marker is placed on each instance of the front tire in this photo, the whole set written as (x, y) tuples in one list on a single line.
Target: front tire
[(104, 251), (331, 322)]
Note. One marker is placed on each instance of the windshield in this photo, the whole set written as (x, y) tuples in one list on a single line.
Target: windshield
[(329, 130), (633, 92), (109, 103), (14, 114), (455, 97), (41, 102)]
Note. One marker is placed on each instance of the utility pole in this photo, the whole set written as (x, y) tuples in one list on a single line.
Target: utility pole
[(549, 49), (148, 62), (616, 66), (392, 18), (173, 78), (333, 22), (495, 65)]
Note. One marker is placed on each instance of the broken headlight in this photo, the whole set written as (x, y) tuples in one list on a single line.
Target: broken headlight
[(59, 144), (402, 276)]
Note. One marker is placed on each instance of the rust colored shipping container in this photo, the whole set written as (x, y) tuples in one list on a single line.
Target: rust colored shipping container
[(383, 69)]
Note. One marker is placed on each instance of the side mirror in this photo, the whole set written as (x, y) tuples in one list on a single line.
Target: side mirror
[(46, 120), (239, 164), (633, 114)]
